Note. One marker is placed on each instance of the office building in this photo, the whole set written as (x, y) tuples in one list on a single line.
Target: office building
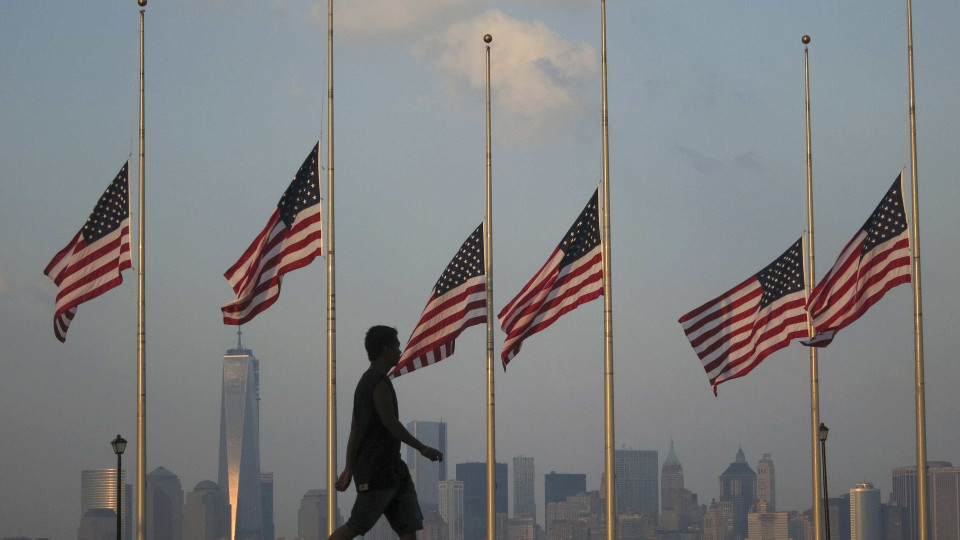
[(98, 524), (164, 506), (425, 473), (565, 502), (558, 486), (266, 507), (718, 521), (768, 526), (451, 507), (637, 485), (474, 478), (944, 484), (312, 516), (239, 476), (766, 483), (865, 512), (671, 481), (98, 489), (523, 528), (524, 475), (891, 522), (206, 515), (738, 487), (434, 527), (838, 508)]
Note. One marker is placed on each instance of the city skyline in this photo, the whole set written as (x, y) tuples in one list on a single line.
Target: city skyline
[(708, 171), (848, 513)]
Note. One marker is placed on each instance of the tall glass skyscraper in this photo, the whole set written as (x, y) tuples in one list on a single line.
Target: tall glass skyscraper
[(637, 484), (239, 476), (425, 473), (524, 475), (474, 478)]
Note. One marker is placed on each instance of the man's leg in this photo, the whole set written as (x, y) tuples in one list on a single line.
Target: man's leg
[(404, 513), (344, 532), (367, 509)]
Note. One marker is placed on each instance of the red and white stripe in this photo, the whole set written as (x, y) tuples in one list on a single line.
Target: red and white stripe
[(83, 272), (551, 293), (855, 284), (442, 321), (731, 335), (257, 276)]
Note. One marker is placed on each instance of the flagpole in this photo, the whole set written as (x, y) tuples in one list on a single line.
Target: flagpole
[(811, 277), (607, 296), (488, 272), (141, 323), (922, 501), (331, 299)]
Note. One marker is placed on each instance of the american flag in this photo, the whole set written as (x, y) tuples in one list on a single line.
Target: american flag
[(291, 240), (573, 275), (875, 261), (91, 263), (458, 301), (734, 332)]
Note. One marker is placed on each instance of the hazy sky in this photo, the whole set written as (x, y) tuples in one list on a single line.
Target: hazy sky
[(707, 155)]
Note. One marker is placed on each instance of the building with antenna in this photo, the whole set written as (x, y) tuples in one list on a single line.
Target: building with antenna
[(239, 476)]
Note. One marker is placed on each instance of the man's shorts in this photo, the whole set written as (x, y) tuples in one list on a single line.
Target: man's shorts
[(399, 504)]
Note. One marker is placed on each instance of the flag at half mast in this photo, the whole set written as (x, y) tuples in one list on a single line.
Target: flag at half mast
[(291, 239), (572, 275), (735, 331), (876, 260), (457, 301), (91, 264)]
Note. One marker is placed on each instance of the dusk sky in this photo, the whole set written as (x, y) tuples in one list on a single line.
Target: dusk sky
[(708, 186)]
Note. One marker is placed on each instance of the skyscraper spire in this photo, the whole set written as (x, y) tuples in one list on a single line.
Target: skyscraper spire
[(671, 455)]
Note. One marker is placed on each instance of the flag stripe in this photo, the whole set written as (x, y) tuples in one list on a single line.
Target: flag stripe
[(291, 239), (735, 331), (457, 301), (877, 259), (84, 271), (572, 276), (557, 295)]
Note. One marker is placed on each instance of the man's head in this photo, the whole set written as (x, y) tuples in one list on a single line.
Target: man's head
[(379, 340)]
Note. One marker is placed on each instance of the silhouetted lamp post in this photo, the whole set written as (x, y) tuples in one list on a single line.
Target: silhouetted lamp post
[(119, 445), (823, 464)]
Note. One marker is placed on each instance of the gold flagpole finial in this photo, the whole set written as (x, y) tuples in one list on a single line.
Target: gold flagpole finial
[(805, 39), (487, 38), (141, 3)]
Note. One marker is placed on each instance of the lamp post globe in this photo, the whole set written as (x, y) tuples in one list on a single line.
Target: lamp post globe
[(119, 445)]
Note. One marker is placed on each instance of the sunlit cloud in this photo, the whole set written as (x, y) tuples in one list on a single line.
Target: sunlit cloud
[(539, 78)]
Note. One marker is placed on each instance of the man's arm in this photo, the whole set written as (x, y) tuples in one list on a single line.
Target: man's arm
[(383, 403), (343, 482)]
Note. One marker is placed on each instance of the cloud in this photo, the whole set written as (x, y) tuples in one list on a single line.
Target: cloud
[(538, 78), (744, 161), (3, 286)]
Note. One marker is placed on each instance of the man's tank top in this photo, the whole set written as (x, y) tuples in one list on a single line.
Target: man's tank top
[(378, 464)]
